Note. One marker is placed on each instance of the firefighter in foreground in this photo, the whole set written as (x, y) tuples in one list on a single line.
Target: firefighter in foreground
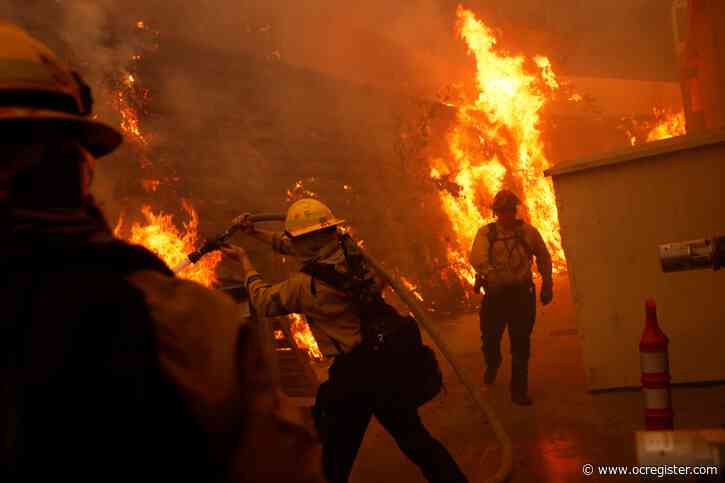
[(502, 255), (112, 370), (381, 367)]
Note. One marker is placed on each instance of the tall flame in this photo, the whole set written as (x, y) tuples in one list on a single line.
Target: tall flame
[(160, 235), (496, 142)]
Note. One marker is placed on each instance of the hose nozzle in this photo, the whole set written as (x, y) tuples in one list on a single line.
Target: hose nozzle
[(693, 255)]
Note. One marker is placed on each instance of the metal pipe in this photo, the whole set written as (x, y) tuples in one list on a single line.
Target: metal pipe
[(693, 255)]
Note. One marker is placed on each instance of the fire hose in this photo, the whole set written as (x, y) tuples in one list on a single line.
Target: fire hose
[(421, 316), (216, 242)]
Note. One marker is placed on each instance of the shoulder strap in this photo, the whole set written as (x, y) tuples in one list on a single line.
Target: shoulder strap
[(492, 237), (492, 234), (521, 236)]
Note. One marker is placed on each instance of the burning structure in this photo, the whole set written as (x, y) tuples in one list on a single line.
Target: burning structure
[(475, 143), (442, 174), (292, 114)]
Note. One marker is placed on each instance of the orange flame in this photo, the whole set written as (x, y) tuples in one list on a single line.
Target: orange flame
[(496, 141), (668, 125), (160, 235), (663, 124), (304, 338)]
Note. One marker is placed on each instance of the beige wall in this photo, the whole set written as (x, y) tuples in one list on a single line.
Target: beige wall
[(612, 217)]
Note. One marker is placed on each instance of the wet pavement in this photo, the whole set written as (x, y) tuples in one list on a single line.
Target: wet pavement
[(566, 428)]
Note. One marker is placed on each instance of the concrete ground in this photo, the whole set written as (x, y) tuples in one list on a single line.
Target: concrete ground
[(566, 428)]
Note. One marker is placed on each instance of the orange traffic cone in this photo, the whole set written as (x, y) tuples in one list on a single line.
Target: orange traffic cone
[(658, 413)]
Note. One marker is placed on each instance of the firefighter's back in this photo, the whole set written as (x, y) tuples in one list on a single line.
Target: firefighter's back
[(85, 395)]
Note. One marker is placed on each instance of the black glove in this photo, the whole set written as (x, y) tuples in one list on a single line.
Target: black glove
[(547, 292)]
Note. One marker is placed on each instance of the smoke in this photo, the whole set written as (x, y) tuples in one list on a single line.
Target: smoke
[(377, 42), (398, 46), (248, 96)]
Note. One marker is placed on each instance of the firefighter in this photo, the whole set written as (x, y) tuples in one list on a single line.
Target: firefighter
[(358, 387), (110, 368), (502, 257)]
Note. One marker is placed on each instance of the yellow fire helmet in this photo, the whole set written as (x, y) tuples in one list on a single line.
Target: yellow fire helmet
[(37, 87), (309, 215)]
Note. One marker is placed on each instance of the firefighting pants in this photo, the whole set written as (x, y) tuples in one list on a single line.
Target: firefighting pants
[(515, 308), (342, 414)]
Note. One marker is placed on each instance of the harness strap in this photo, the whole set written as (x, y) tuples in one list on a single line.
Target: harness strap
[(518, 236)]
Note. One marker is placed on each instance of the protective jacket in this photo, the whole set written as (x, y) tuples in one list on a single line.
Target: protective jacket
[(332, 317), (112, 370)]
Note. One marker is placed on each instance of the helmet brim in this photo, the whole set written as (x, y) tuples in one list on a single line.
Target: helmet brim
[(98, 138), (311, 229)]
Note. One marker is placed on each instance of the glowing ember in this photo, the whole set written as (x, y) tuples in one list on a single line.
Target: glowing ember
[(299, 191), (278, 335), (496, 141), (150, 185), (411, 287), (304, 338), (159, 234), (125, 101)]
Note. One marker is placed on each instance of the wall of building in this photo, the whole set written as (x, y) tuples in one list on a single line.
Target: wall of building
[(614, 212)]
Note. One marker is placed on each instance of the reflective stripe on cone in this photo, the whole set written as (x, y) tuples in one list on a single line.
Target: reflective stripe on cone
[(655, 369)]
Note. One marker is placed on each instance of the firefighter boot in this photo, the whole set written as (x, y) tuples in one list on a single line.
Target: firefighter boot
[(520, 383)]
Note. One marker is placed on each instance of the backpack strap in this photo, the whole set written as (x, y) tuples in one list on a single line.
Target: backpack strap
[(519, 234), (492, 237)]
